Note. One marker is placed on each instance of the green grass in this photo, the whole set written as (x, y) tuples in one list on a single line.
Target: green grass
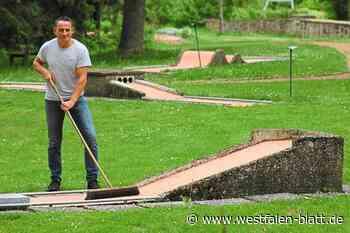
[(174, 219), (157, 136), (140, 139)]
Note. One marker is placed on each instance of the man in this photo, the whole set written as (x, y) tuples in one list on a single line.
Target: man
[(67, 62)]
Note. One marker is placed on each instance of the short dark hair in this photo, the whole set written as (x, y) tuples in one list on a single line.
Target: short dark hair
[(64, 18)]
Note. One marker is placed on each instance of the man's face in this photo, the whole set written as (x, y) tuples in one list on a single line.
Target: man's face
[(64, 31)]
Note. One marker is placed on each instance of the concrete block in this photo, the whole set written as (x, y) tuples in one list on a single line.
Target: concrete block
[(12, 201)]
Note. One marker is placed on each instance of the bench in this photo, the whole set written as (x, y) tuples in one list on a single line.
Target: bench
[(267, 2)]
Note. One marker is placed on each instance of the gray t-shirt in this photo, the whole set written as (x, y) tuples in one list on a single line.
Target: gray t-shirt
[(63, 63)]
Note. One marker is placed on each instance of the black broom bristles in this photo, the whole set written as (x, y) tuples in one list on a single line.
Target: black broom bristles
[(112, 193)]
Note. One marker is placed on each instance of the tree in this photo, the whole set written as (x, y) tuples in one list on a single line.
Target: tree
[(132, 35), (16, 18), (78, 10), (29, 22), (341, 9)]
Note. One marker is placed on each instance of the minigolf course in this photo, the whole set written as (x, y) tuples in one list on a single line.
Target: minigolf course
[(273, 161), (111, 84), (191, 59)]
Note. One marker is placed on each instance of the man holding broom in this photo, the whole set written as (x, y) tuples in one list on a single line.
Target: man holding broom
[(67, 62)]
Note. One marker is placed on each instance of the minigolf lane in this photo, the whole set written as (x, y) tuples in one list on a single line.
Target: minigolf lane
[(24, 86), (214, 166), (174, 179), (153, 93)]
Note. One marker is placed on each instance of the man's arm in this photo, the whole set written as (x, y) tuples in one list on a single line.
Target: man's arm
[(81, 74), (39, 67)]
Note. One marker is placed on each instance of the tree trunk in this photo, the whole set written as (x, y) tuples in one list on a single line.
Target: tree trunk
[(341, 9), (221, 3), (97, 15), (132, 36)]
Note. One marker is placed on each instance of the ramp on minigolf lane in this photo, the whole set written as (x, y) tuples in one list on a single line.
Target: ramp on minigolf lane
[(191, 59), (273, 161)]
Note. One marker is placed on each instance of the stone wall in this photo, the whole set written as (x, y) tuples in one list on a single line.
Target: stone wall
[(313, 164), (293, 26)]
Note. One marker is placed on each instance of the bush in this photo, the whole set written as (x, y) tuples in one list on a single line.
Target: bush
[(256, 14), (319, 6), (186, 32), (181, 13), (183, 32)]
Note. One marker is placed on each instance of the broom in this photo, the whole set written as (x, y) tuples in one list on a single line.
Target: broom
[(109, 192)]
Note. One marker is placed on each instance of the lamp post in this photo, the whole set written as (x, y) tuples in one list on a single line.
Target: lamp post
[(197, 43), (291, 48)]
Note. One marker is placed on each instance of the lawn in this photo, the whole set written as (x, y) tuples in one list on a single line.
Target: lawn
[(140, 139), (156, 136), (174, 219)]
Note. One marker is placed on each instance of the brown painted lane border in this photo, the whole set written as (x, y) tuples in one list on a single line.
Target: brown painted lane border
[(74, 200), (77, 197)]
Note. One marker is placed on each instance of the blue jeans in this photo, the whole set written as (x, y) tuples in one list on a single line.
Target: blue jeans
[(82, 117)]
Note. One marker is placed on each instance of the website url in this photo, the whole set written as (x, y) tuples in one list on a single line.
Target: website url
[(194, 219)]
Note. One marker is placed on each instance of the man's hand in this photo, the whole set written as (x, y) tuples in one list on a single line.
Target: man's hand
[(81, 74), (38, 65), (67, 105)]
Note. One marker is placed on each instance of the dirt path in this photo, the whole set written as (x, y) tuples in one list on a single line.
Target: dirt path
[(339, 76)]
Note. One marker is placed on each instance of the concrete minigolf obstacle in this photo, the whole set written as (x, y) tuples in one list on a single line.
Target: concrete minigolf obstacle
[(113, 84), (13, 201), (191, 59), (274, 161), (123, 84)]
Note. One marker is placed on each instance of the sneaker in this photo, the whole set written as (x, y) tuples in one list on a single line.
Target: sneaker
[(93, 184), (54, 186)]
